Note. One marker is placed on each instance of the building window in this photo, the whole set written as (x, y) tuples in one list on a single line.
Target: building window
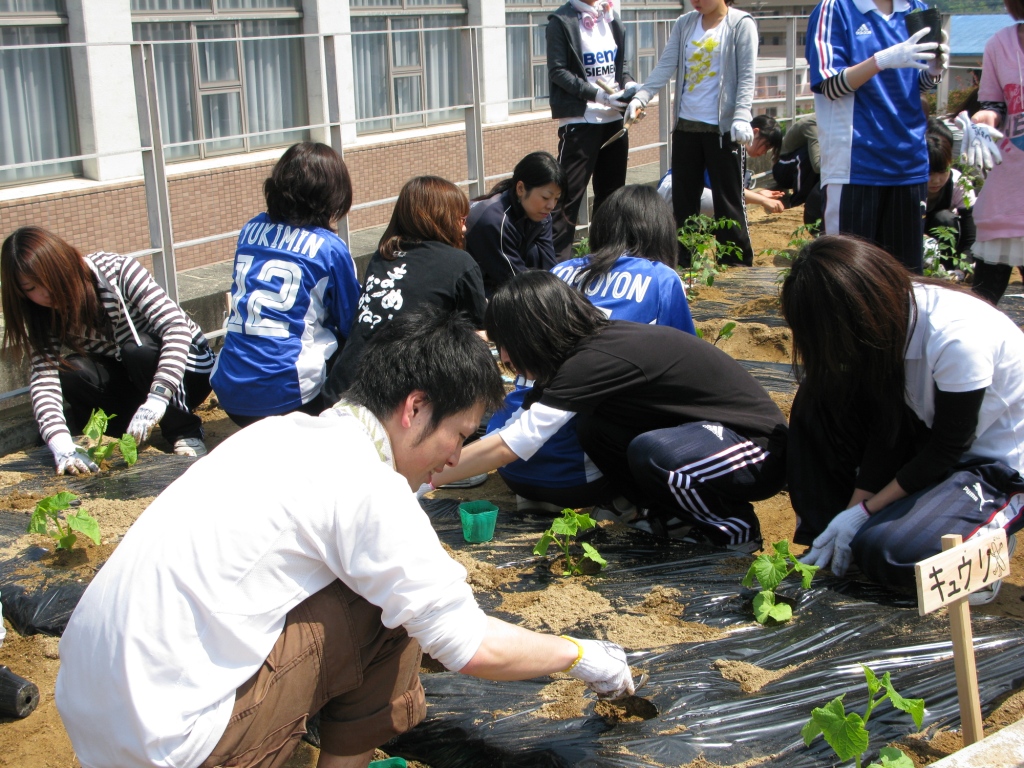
[(36, 94), (642, 40), (408, 69), (226, 84), (527, 52)]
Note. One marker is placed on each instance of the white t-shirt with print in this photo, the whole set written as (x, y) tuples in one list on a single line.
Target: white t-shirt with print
[(598, 53), (699, 101)]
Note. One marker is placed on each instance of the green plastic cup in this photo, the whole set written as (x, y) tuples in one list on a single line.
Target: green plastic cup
[(478, 519)]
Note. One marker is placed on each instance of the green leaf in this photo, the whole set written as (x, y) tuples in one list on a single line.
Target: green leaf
[(129, 449), (37, 523), (892, 758), (564, 527), (727, 330), (781, 612), (806, 571), (85, 524), (584, 521), (56, 503), (874, 684), (591, 554), (66, 542), (770, 570), (845, 733), (700, 333), (763, 604), (96, 426), (101, 453), (913, 707), (748, 580), (781, 547), (543, 544)]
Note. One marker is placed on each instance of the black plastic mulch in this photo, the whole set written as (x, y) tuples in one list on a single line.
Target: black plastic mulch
[(839, 624)]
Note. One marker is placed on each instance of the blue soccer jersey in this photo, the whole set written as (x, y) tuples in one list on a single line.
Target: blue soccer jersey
[(634, 289), (875, 135), (294, 296)]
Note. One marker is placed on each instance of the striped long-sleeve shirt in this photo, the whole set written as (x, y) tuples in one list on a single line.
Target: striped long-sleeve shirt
[(134, 304)]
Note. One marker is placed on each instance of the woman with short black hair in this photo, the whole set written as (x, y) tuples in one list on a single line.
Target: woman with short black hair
[(909, 420), (676, 425), (294, 293)]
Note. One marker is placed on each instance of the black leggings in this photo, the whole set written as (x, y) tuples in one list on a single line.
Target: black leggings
[(120, 387)]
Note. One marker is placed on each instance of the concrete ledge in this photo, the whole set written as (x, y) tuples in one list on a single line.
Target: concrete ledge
[(1003, 749)]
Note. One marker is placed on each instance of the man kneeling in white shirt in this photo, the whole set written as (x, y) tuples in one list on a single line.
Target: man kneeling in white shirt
[(292, 571)]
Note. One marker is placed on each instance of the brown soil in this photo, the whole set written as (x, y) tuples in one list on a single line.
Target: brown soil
[(751, 677), (39, 741)]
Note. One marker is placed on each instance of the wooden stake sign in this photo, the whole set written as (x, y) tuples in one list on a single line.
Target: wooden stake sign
[(945, 580)]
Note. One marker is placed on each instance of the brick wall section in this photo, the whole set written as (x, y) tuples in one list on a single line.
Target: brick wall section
[(113, 217)]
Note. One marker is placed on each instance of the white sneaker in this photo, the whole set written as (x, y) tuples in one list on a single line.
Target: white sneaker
[(189, 446), (621, 510), (987, 594), (469, 482), (524, 504)]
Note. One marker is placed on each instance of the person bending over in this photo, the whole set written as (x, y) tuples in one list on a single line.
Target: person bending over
[(675, 424), (294, 294), (909, 420), (867, 76), (630, 276), (798, 167), (308, 589), (100, 333), (419, 261), (509, 230), (950, 197)]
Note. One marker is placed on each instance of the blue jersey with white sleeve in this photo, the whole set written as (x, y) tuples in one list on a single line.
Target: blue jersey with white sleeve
[(634, 289), (292, 302), (875, 135)]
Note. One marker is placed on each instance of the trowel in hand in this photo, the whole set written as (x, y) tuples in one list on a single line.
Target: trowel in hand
[(627, 96)]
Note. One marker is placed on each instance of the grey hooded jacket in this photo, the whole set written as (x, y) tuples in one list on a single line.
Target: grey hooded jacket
[(739, 56)]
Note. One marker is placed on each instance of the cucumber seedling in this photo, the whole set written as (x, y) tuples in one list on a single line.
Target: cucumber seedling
[(46, 519), (563, 533), (847, 733), (99, 451), (770, 570)]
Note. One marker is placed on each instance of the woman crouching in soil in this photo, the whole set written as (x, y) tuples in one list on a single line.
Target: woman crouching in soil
[(909, 420), (676, 425)]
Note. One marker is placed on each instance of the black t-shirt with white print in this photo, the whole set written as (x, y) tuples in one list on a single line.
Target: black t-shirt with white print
[(646, 377), (428, 273)]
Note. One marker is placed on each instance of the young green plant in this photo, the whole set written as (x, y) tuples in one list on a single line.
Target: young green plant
[(941, 258), (46, 519), (847, 733), (697, 236), (563, 532), (770, 570), (99, 451)]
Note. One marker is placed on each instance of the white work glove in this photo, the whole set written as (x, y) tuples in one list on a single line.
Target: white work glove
[(603, 667), (742, 133), (833, 545), (978, 147), (626, 94), (70, 458), (147, 417), (635, 109), (908, 54), (938, 66), (609, 100)]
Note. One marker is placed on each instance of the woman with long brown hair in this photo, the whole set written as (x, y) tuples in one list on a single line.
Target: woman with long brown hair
[(909, 420), (419, 261), (100, 333)]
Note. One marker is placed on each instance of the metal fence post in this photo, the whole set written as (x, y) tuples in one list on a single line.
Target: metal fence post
[(329, 65), (473, 115), (942, 94), (791, 67), (664, 108), (154, 172)]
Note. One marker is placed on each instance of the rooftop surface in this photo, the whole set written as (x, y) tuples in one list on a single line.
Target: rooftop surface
[(969, 33)]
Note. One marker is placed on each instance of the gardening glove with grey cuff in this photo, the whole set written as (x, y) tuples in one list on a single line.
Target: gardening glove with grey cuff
[(609, 100), (833, 545), (147, 417), (978, 147), (626, 94), (70, 458), (742, 133), (938, 66), (603, 667), (910, 53)]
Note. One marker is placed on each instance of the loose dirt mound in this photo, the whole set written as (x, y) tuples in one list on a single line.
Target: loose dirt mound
[(751, 677)]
